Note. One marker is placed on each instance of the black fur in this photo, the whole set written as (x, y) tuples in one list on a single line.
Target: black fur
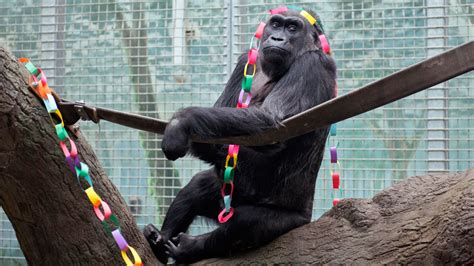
[(274, 185)]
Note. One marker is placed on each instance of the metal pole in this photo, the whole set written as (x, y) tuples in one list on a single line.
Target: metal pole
[(60, 52), (230, 36), (47, 39), (179, 38), (437, 96)]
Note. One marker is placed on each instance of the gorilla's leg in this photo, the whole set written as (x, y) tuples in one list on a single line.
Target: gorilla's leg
[(201, 196), (251, 226)]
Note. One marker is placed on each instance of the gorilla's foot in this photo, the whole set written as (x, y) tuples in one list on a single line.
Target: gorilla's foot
[(157, 243)]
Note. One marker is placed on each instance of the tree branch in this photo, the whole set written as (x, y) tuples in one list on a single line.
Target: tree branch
[(426, 220), (53, 219)]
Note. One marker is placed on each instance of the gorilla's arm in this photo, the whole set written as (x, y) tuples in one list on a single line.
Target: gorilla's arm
[(308, 82), (212, 152)]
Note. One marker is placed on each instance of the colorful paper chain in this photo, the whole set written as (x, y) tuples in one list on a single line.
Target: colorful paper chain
[(244, 101), (337, 192), (39, 85)]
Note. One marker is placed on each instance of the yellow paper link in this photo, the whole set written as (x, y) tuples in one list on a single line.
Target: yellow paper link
[(60, 116), (136, 257), (93, 197), (254, 69), (308, 16), (228, 158)]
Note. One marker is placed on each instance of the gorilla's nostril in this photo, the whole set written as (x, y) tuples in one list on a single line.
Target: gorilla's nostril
[(277, 39)]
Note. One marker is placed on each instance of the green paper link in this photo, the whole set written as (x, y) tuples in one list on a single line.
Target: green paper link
[(83, 171), (247, 83), (114, 221), (320, 24), (87, 178), (61, 132), (106, 228), (228, 174), (31, 68), (333, 130), (293, 7)]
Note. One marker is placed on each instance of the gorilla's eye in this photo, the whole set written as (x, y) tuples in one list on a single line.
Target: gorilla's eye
[(292, 27), (275, 24)]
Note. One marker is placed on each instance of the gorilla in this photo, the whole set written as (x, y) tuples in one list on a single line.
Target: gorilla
[(273, 189)]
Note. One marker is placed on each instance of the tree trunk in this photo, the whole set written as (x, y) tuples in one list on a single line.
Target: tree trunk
[(53, 219), (427, 220)]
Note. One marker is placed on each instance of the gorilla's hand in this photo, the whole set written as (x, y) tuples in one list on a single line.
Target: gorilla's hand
[(185, 249), (176, 140)]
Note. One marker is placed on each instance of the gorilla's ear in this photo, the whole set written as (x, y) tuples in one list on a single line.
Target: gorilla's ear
[(316, 39), (317, 42)]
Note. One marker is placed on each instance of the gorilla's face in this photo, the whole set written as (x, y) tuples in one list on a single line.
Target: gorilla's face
[(286, 36)]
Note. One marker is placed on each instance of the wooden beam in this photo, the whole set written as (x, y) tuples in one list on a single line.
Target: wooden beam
[(403, 83)]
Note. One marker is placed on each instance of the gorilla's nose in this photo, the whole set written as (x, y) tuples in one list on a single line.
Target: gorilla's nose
[(277, 38)]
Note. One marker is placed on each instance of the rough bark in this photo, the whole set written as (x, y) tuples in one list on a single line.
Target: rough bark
[(52, 217), (427, 220)]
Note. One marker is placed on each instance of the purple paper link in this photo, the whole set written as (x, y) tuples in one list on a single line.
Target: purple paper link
[(333, 155), (121, 242), (249, 97), (77, 162), (241, 97), (70, 163)]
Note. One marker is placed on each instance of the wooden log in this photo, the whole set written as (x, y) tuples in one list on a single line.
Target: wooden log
[(423, 220)]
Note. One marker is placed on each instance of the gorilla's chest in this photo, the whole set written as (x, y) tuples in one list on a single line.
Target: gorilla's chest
[(261, 87), (259, 82)]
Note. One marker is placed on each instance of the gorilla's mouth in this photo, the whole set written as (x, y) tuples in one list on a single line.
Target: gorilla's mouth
[(275, 49), (275, 53)]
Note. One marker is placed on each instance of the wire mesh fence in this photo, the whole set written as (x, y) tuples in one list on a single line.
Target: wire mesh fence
[(154, 57)]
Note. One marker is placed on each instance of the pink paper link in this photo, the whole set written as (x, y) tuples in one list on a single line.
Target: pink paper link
[(44, 80), (67, 153), (231, 188), (252, 56), (107, 212), (233, 149), (259, 32), (223, 217), (324, 44), (278, 10)]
